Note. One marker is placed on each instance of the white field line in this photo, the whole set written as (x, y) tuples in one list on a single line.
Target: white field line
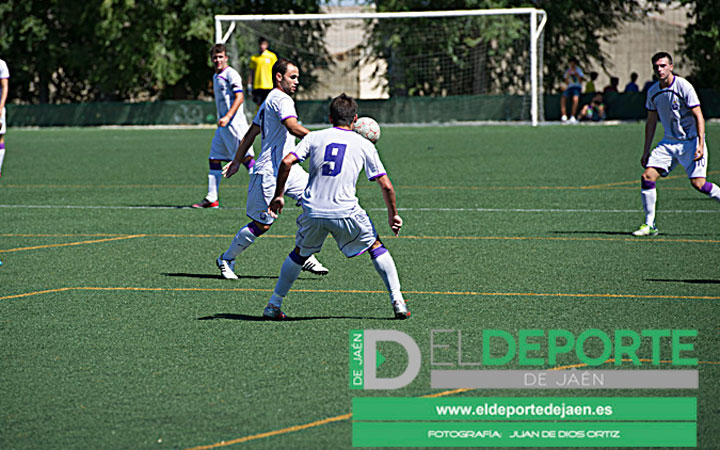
[(505, 210)]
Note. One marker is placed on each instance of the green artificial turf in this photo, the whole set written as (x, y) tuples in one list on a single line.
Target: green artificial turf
[(138, 343)]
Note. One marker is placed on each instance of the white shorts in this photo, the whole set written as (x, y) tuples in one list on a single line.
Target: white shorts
[(354, 234), (262, 188), (669, 153), (225, 144), (2, 122)]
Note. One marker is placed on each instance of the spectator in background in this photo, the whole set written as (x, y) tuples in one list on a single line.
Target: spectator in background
[(632, 86), (648, 84), (613, 86), (573, 80), (595, 110), (261, 79), (590, 85)]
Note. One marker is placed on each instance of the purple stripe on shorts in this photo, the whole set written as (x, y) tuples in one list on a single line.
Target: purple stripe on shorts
[(377, 252), (254, 229), (286, 118), (647, 184), (706, 188), (377, 176)]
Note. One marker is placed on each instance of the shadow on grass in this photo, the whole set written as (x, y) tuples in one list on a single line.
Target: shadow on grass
[(609, 233), (247, 318), (629, 234), (220, 277), (662, 280)]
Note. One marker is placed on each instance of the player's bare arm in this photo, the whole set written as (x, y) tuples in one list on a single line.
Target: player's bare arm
[(700, 122), (247, 141), (277, 203), (650, 126), (237, 102), (294, 127), (388, 193)]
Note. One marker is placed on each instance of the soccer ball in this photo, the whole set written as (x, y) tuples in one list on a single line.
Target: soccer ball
[(367, 128)]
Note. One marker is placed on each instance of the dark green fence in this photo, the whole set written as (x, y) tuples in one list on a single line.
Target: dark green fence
[(630, 106)]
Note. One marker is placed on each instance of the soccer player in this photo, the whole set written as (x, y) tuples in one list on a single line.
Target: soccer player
[(231, 125), (261, 72), (336, 156), (278, 123), (674, 101), (4, 76)]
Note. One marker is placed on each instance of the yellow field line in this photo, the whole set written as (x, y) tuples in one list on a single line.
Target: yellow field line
[(410, 237), (97, 241), (28, 294), (359, 291)]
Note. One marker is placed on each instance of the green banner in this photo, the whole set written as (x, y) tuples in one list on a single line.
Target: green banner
[(522, 434), (526, 408), (357, 355)]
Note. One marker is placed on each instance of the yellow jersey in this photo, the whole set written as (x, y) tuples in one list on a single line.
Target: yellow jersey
[(262, 65)]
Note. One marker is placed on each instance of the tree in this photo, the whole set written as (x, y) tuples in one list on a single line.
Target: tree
[(701, 42), (69, 51)]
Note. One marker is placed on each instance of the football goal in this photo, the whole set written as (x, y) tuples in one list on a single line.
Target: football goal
[(405, 67)]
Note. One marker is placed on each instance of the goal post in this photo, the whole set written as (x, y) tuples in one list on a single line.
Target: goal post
[(450, 66)]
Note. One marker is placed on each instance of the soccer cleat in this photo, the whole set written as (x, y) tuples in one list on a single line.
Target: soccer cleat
[(227, 268), (272, 312), (645, 230), (207, 204), (312, 265), (401, 310)]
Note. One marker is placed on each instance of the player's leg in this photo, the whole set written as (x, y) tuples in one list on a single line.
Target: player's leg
[(294, 188), (309, 239), (2, 139), (259, 192), (356, 235), (697, 173), (563, 107), (648, 193)]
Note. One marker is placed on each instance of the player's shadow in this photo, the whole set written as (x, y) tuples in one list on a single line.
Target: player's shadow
[(246, 318), (241, 277), (609, 233), (664, 280)]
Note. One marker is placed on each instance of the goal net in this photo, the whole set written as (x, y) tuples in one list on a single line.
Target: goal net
[(411, 67)]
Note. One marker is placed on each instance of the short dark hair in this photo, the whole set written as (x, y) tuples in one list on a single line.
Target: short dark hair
[(573, 60), (343, 110), (633, 76), (218, 48), (660, 55), (262, 39), (281, 66)]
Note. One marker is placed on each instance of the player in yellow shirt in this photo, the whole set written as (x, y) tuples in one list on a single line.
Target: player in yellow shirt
[(261, 72)]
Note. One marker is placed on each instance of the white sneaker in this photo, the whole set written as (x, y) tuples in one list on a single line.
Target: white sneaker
[(401, 310), (227, 268), (572, 120), (312, 265), (646, 230), (563, 119)]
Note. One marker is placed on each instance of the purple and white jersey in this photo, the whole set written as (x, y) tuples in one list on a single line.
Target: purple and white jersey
[(673, 105), (276, 139), (4, 71), (336, 157), (225, 85)]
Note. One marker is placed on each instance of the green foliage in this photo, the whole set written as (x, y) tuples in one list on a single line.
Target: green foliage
[(63, 51), (701, 42)]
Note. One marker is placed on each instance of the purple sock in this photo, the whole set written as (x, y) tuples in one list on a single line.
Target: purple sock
[(374, 253), (249, 164), (2, 146), (647, 184), (298, 259), (706, 188), (257, 231)]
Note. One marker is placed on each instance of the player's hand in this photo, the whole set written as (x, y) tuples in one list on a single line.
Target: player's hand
[(699, 153), (223, 121), (644, 159), (276, 206), (231, 169), (396, 223)]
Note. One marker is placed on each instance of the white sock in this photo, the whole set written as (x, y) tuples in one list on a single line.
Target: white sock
[(288, 274), (2, 156), (214, 177), (714, 192), (240, 242), (385, 266), (649, 197)]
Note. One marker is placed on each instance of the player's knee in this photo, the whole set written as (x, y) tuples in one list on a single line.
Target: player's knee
[(257, 228), (297, 257), (698, 183)]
